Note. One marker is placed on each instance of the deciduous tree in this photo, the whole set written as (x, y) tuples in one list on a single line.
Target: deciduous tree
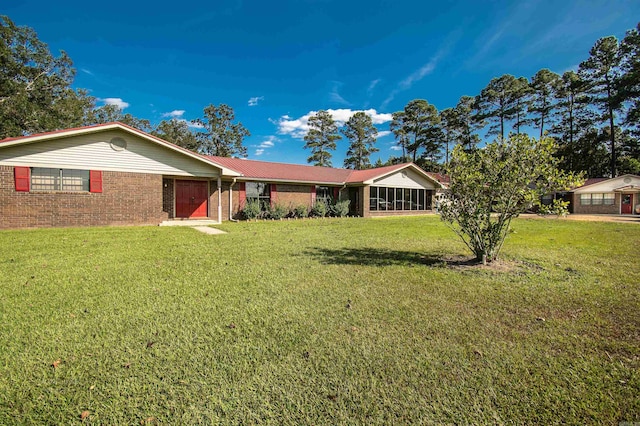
[(177, 132), (110, 113), (492, 185), (221, 136), (35, 86), (321, 138)]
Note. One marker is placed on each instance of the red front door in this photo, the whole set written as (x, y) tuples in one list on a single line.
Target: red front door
[(626, 203), (191, 198)]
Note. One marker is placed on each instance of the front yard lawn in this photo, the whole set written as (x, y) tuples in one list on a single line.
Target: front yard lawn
[(335, 321)]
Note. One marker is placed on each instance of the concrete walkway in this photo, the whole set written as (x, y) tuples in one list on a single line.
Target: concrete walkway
[(208, 230), (189, 222)]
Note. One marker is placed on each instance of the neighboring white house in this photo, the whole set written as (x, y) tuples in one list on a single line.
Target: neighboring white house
[(620, 195)]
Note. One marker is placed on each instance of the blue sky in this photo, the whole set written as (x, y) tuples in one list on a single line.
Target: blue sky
[(276, 62)]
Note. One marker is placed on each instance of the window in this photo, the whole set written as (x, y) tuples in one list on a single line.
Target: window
[(597, 199), (259, 191), (381, 199), (585, 199), (323, 193), (609, 199), (45, 179)]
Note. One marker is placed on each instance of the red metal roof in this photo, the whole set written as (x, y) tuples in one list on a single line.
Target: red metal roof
[(284, 172), (253, 169)]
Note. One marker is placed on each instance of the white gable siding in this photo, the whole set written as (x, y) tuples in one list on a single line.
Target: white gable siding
[(610, 185), (93, 151), (405, 179)]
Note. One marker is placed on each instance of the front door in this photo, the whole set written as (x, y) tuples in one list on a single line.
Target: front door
[(354, 201), (626, 207), (191, 198)]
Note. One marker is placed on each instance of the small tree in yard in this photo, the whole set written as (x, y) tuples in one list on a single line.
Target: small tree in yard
[(492, 185)]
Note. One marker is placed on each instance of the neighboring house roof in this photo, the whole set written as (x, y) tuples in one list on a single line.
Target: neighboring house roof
[(283, 172), (78, 131), (626, 182), (592, 181), (444, 180)]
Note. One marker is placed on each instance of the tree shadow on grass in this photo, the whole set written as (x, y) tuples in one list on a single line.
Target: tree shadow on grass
[(384, 257)]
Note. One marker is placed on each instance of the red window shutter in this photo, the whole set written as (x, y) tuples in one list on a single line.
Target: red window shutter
[(242, 194), (95, 181), (313, 195), (22, 178), (274, 193), (336, 193)]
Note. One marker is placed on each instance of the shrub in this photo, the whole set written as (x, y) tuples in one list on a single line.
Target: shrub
[(277, 211), (300, 211), (558, 208), (340, 208), (319, 209), (251, 210)]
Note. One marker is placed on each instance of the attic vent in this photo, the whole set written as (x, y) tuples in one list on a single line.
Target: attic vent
[(627, 180), (118, 144), (404, 174)]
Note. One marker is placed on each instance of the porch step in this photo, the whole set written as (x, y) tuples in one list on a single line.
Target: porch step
[(189, 222)]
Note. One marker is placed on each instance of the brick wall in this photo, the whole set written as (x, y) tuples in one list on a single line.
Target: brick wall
[(597, 209), (127, 199), (292, 196), (167, 197), (288, 195)]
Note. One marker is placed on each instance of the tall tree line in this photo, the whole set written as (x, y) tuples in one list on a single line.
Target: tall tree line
[(594, 113)]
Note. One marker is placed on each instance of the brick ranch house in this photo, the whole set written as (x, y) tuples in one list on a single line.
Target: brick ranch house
[(619, 195), (113, 174)]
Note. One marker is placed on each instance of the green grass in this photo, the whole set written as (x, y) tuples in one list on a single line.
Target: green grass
[(172, 326)]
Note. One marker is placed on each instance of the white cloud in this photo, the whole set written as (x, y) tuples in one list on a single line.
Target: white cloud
[(383, 133), (299, 127), (266, 144), (259, 152), (254, 101), (115, 101), (176, 113), (395, 148), (86, 71)]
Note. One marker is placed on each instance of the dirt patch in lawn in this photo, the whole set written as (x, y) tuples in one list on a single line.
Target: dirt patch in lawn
[(466, 263)]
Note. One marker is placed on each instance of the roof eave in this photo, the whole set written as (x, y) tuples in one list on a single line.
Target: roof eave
[(119, 126), (406, 166), (306, 182)]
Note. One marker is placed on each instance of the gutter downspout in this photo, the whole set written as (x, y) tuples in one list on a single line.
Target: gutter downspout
[(231, 201)]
